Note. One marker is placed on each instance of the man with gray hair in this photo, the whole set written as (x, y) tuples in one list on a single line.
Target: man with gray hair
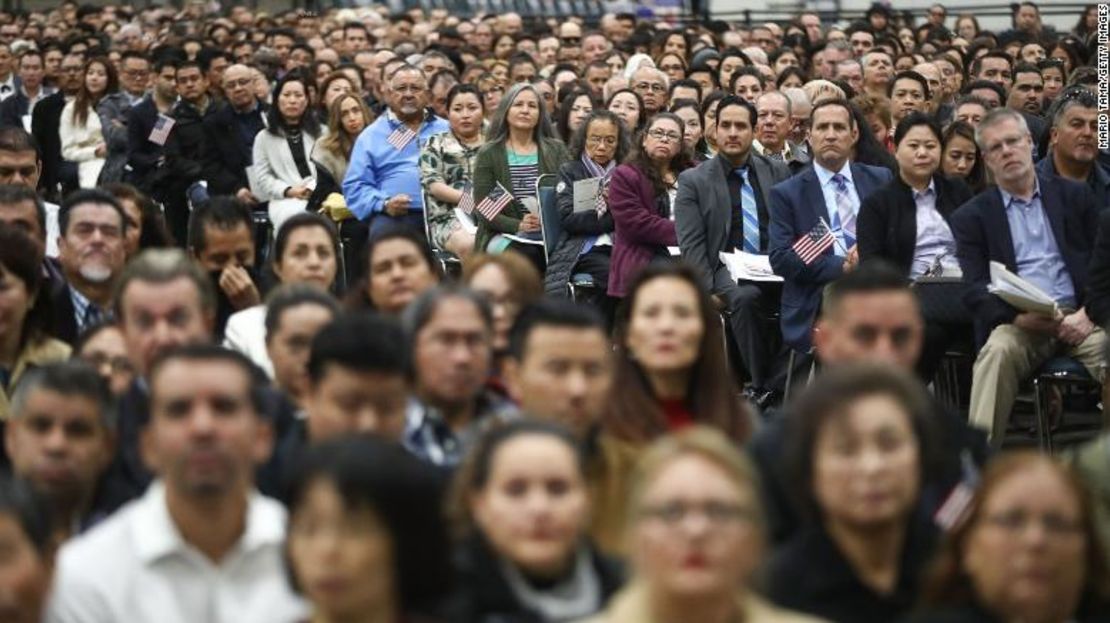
[(60, 436), (651, 85), (773, 128), (1073, 143), (800, 107), (1042, 228), (835, 51)]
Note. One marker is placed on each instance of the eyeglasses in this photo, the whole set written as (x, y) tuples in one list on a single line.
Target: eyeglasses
[(71, 70), (1017, 520), (598, 140), (651, 86), (408, 89), (241, 82), (571, 40), (137, 73), (661, 135), (716, 513)]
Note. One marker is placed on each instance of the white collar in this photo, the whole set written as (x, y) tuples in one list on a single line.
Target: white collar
[(825, 176)]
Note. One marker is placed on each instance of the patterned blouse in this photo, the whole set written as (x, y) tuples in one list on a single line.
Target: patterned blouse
[(444, 159)]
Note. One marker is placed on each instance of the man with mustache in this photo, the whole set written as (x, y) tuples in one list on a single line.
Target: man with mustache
[(91, 254), (1073, 143)]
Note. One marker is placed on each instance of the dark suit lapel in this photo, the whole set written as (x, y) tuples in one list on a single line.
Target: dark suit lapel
[(813, 199), (994, 217), (1054, 207)]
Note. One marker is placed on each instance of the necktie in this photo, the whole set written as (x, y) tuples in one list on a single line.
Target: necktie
[(749, 212), (92, 315), (847, 216)]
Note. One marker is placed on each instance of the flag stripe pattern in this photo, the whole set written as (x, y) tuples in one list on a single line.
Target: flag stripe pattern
[(161, 130), (495, 202), (955, 506), (401, 137), (466, 201), (810, 246)]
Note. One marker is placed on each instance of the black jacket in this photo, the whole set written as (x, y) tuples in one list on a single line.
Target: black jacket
[(44, 127), (13, 109), (577, 228), (144, 157), (1098, 287), (887, 224), (810, 574), (484, 596), (1088, 613), (982, 234), (225, 159), (186, 144), (63, 325)]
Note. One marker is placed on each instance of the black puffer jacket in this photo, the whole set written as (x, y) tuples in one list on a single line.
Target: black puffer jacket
[(577, 228)]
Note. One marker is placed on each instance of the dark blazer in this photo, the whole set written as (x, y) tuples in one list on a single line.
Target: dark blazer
[(1098, 284), (225, 156), (704, 213), (887, 222), (13, 109), (64, 323), (44, 127), (491, 166), (796, 207), (642, 230), (143, 155), (578, 227), (982, 234)]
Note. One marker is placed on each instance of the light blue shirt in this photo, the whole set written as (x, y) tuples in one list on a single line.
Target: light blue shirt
[(1035, 249), (378, 170), (934, 238), (828, 189)]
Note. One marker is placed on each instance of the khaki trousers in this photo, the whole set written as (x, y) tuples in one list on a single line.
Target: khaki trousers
[(1010, 355)]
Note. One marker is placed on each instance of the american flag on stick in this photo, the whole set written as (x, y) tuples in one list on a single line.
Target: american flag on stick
[(958, 502), (400, 137), (466, 201), (495, 202), (810, 246), (161, 131)]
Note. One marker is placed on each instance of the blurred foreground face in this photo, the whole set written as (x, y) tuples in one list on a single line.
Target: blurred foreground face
[(866, 464), (665, 329), (341, 557), (882, 327), (25, 575), (534, 507), (1026, 554), (696, 533), (347, 401), (107, 352)]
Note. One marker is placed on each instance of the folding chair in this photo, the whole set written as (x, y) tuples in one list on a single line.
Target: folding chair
[(1058, 370), (552, 225)]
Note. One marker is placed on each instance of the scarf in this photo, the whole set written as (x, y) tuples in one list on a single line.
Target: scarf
[(596, 170), (575, 597)]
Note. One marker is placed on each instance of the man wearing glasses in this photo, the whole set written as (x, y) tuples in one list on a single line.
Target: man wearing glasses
[(651, 85), (229, 132), (134, 79), (570, 42)]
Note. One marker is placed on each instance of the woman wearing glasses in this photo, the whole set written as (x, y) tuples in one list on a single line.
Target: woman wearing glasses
[(641, 198), (696, 537), (862, 441), (906, 224), (1025, 550)]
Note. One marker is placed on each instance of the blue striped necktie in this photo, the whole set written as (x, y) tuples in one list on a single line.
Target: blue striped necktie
[(749, 212), (845, 214)]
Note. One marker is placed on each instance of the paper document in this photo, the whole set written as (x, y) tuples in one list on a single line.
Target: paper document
[(1020, 293), (749, 266), (674, 251), (585, 194), (525, 238), (468, 224), (530, 204)]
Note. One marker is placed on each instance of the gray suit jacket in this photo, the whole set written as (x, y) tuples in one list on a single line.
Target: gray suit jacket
[(703, 213)]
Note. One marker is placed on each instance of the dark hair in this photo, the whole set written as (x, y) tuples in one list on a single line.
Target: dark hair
[(309, 123), (908, 74), (287, 296), (977, 63), (209, 54), (462, 88), (196, 353), (301, 221), (976, 178), (221, 212), (16, 139), (562, 124), (634, 414), (1071, 97), (14, 194), (551, 313), (641, 118), (84, 103), (1025, 68), (153, 231), (736, 100), (838, 102), (31, 512), (976, 85), (359, 341), (790, 71), (358, 298), (829, 397), (84, 196), (402, 492), (639, 159), (874, 275), (685, 83), (419, 313), (750, 70), (578, 139), (914, 119), (71, 378)]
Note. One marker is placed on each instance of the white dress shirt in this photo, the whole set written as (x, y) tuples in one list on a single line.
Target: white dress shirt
[(828, 189), (246, 333), (136, 567)]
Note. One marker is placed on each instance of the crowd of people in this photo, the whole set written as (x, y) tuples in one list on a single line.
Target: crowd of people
[(412, 317)]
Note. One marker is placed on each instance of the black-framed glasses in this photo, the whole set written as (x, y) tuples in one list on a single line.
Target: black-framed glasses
[(571, 40)]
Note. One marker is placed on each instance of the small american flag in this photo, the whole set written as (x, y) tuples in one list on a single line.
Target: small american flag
[(810, 246), (958, 502), (161, 131), (495, 202), (400, 137), (466, 201)]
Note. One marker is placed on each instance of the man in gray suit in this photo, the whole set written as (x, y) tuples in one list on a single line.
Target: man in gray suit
[(724, 205)]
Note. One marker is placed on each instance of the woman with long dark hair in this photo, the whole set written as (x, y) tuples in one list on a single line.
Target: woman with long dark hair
[(82, 137), (960, 157), (284, 174), (671, 369), (641, 198), (573, 110)]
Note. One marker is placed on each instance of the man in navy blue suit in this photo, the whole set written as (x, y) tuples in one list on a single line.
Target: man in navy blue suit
[(831, 191), (1042, 227)]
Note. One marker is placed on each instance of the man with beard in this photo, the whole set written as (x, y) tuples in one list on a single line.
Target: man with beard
[(60, 437), (382, 186), (200, 529), (91, 253), (221, 240)]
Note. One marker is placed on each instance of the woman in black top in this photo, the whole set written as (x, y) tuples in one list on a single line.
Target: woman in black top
[(906, 224), (861, 445)]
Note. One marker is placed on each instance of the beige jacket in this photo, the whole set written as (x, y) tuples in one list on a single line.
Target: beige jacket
[(35, 354), (631, 606)]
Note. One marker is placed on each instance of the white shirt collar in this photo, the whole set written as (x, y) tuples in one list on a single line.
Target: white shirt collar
[(156, 535), (825, 176)]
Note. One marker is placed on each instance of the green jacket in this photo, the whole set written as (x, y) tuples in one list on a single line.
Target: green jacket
[(1092, 461), (491, 167)]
